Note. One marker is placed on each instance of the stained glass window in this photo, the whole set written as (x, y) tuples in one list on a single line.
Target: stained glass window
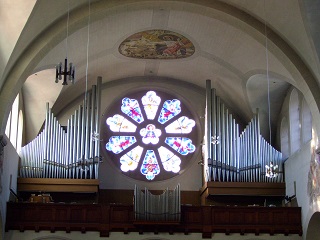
[(170, 109), (131, 108), (118, 123), (153, 140)]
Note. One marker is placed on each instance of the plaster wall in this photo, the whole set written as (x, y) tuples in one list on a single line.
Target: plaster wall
[(296, 177), (8, 177)]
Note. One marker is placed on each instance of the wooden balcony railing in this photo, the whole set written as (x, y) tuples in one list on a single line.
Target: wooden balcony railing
[(120, 218)]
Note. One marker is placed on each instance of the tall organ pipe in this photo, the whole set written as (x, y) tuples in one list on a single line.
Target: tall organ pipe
[(97, 125), (208, 129), (219, 151), (56, 153), (214, 134)]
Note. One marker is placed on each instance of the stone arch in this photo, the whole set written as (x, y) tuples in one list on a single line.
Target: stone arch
[(313, 230), (25, 63)]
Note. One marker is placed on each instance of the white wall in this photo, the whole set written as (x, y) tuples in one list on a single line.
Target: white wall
[(10, 166), (296, 172)]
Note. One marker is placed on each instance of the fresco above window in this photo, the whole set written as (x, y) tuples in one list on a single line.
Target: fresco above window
[(150, 137), (157, 44)]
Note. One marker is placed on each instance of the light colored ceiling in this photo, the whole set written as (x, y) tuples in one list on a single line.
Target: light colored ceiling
[(229, 37)]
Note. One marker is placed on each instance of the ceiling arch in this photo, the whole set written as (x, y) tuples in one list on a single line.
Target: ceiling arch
[(221, 11)]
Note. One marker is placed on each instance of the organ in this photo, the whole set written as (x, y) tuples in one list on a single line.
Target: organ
[(74, 153), (237, 163), (69, 153)]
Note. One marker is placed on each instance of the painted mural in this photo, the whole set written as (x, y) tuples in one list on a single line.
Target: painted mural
[(157, 44), (314, 177)]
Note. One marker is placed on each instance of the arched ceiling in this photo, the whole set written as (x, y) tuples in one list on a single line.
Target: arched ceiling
[(231, 48)]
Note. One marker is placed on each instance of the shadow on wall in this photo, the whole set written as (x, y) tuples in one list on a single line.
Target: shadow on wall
[(313, 231)]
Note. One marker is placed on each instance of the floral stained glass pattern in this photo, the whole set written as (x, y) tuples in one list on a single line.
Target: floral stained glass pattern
[(151, 138)]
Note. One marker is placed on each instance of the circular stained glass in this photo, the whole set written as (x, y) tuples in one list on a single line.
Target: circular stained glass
[(150, 135)]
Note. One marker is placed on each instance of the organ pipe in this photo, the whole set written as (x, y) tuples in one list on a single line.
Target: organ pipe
[(208, 129), (239, 155), (69, 152), (163, 207), (214, 131)]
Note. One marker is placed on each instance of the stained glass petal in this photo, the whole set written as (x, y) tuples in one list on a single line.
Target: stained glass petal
[(117, 144), (151, 103), (183, 125), (169, 109), (118, 123), (131, 108), (150, 134), (181, 144), (150, 166), (129, 161), (170, 161)]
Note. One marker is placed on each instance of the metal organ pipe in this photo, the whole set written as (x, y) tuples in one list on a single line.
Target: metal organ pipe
[(163, 207), (239, 156), (214, 134), (227, 142), (70, 153), (208, 130), (219, 151), (97, 125)]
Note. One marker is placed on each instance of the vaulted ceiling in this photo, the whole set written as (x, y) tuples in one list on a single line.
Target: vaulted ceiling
[(248, 48)]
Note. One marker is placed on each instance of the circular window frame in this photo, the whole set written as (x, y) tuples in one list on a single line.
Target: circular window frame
[(115, 108)]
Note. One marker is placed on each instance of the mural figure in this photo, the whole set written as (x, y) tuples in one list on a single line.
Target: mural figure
[(157, 44), (314, 177)]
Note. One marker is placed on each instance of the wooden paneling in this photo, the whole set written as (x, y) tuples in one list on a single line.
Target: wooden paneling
[(107, 218), (243, 189), (57, 185)]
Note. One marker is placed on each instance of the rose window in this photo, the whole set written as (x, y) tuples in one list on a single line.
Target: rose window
[(150, 137)]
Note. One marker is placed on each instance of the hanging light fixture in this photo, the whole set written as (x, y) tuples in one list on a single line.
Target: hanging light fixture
[(271, 169), (65, 72)]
